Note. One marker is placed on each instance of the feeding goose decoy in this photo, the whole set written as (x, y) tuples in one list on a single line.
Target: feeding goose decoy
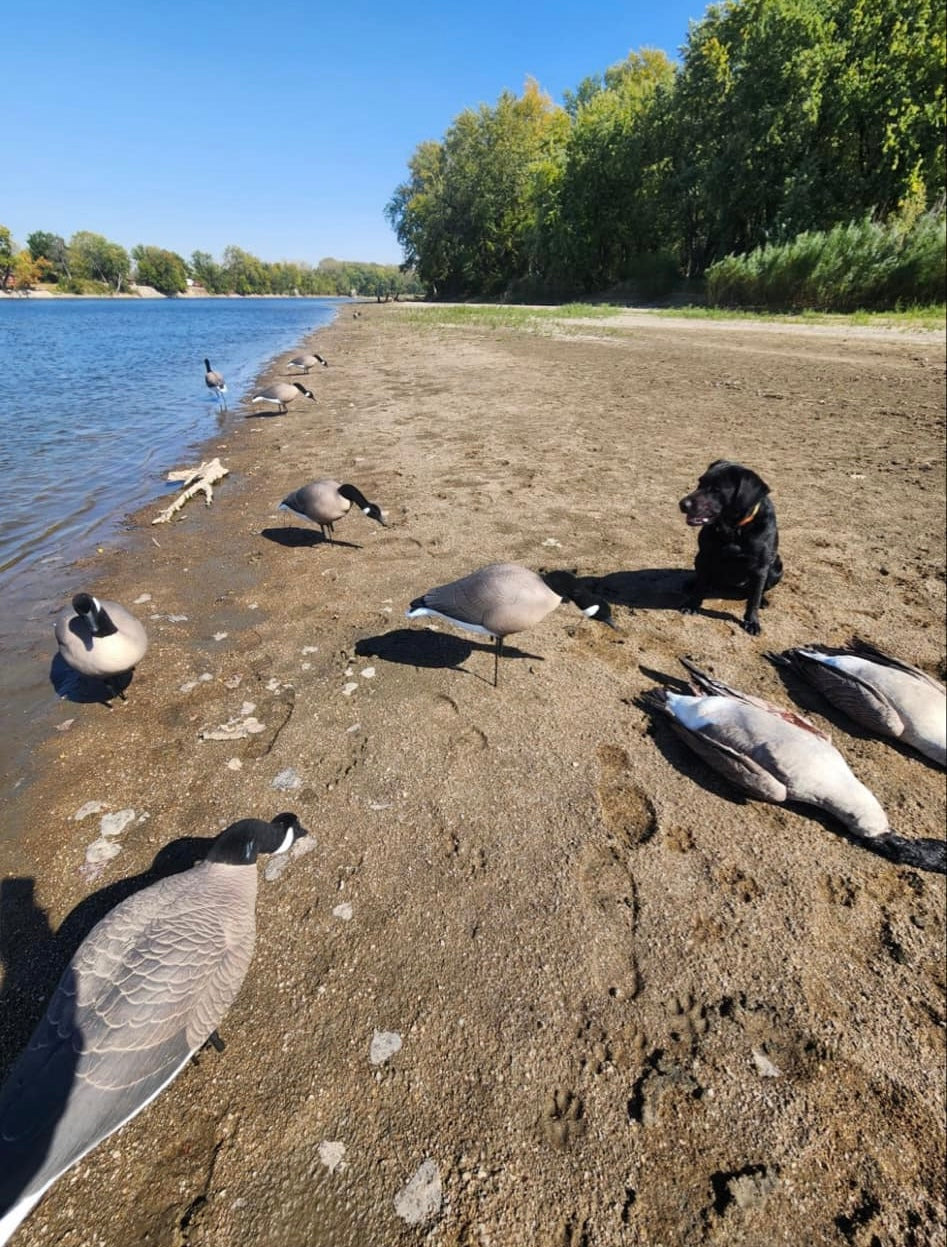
[(503, 598), (880, 693), (323, 502), (145, 990), (308, 361), (100, 639), (281, 393), (214, 381), (777, 755)]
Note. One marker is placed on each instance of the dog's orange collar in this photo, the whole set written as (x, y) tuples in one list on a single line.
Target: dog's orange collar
[(747, 518)]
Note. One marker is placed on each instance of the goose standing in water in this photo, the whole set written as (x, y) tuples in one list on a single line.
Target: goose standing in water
[(100, 639), (214, 381), (305, 362), (880, 693), (323, 502), (504, 598), (146, 989), (777, 755), (281, 393)]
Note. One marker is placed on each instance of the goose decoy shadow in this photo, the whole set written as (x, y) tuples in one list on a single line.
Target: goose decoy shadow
[(414, 647), (292, 538)]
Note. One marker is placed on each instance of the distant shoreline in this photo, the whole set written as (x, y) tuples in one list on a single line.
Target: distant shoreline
[(149, 292)]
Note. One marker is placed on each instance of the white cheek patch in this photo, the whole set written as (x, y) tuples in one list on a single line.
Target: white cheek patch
[(366, 511), (591, 610), (287, 841)]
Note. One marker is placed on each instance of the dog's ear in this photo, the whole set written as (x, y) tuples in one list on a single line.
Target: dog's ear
[(752, 489)]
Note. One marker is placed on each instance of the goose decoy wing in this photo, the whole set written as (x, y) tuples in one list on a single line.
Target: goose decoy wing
[(144, 991)]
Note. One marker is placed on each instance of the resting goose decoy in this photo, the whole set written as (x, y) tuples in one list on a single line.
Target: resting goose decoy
[(880, 693), (504, 598), (100, 639), (145, 990), (776, 755), (214, 381), (281, 393), (323, 502), (308, 361)]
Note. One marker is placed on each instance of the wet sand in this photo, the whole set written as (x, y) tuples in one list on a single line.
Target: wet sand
[(633, 1008)]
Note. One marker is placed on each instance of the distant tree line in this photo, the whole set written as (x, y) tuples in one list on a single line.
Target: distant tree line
[(90, 263), (783, 116)]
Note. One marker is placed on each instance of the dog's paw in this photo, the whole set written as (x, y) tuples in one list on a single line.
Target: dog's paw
[(752, 626)]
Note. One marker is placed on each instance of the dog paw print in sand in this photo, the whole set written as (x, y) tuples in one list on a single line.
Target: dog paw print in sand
[(687, 1020), (627, 811), (563, 1119)]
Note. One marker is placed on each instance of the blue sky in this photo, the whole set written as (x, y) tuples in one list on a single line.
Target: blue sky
[(281, 127)]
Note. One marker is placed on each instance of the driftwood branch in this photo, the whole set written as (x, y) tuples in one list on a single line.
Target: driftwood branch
[(196, 481)]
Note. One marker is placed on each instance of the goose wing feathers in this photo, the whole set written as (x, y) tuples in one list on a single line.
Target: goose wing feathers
[(736, 765), (147, 987), (861, 701)]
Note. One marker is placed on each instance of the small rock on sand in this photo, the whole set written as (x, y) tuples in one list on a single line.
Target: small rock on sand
[(420, 1198), (384, 1046)]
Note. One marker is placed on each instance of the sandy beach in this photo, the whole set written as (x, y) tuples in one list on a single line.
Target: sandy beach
[(633, 1009)]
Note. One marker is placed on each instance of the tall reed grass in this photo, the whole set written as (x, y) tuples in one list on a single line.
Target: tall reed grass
[(866, 264)]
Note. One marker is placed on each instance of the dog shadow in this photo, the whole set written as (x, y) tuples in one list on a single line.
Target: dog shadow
[(421, 647), (295, 538), (71, 685)]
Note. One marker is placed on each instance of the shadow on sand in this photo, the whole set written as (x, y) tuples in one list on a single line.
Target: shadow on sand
[(295, 538)]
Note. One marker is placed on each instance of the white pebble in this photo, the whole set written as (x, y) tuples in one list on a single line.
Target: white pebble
[(115, 824), (764, 1065), (100, 851), (310, 649), (286, 781), (420, 1198), (219, 636), (90, 807), (343, 911), (142, 597), (348, 689), (384, 1046), (368, 673), (305, 666), (331, 1153), (234, 764)]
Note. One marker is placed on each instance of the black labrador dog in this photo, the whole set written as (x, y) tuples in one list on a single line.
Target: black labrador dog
[(738, 544)]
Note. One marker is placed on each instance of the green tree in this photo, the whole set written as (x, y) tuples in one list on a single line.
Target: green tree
[(208, 273), (166, 271), (53, 249), (7, 254), (95, 258)]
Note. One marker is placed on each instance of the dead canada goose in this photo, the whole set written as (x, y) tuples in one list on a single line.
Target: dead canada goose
[(308, 361), (776, 755), (503, 598), (146, 989), (281, 393), (214, 381), (100, 639), (324, 502), (879, 692)]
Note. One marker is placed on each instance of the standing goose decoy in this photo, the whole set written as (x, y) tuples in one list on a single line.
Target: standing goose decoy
[(100, 639), (145, 990), (308, 361), (777, 755), (281, 393), (214, 381), (880, 693), (323, 502), (503, 598)]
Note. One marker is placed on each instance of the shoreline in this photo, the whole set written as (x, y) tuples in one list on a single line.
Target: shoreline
[(594, 954), (25, 685)]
